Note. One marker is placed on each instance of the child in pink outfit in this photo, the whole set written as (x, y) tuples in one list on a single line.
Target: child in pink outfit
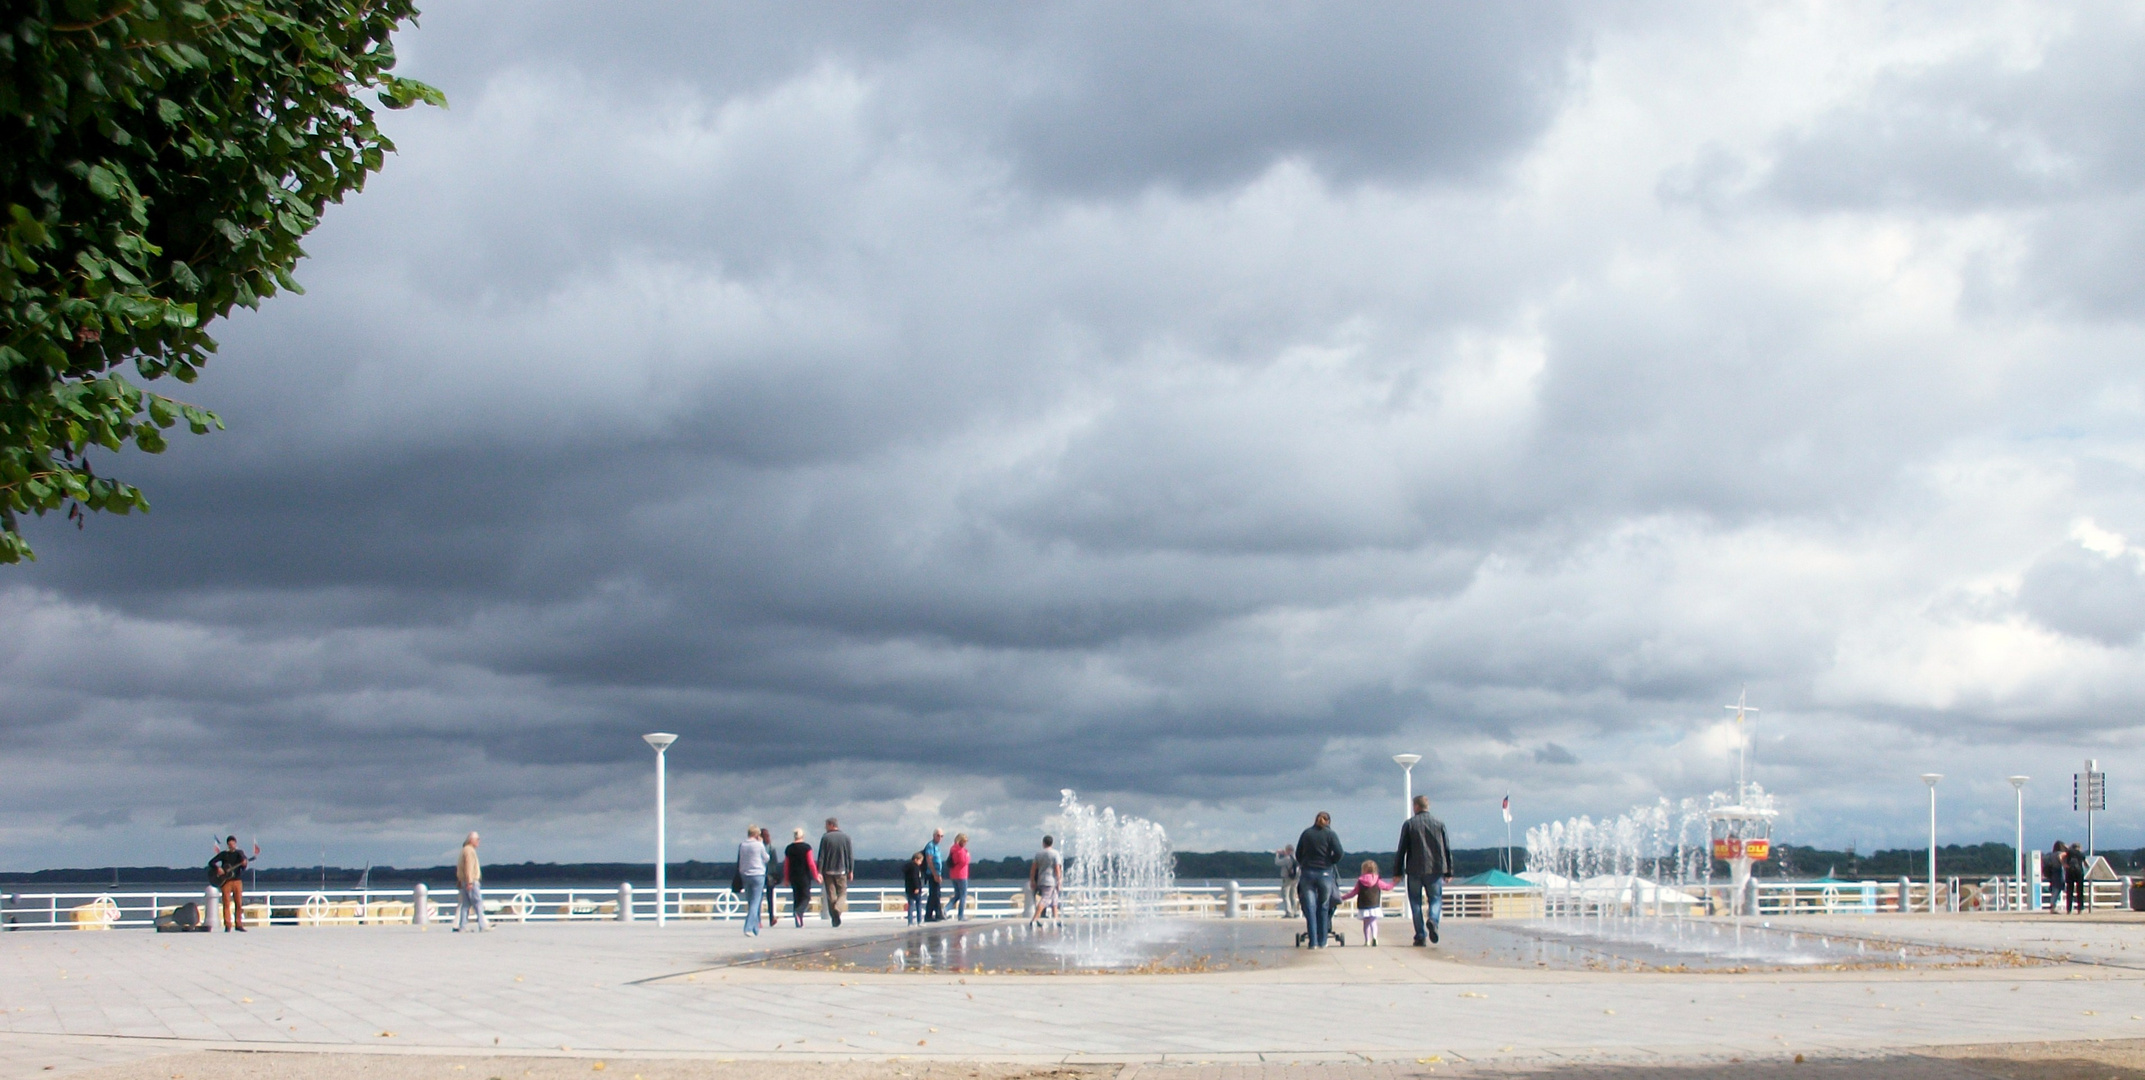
[(1369, 893)]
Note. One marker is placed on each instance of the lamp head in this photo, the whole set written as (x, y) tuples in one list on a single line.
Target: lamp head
[(1406, 760), (2018, 781), (661, 740), (1930, 778)]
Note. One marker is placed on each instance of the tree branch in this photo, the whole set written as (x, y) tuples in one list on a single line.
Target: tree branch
[(69, 28)]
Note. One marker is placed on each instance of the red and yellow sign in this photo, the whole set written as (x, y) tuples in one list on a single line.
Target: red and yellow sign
[(1728, 848)]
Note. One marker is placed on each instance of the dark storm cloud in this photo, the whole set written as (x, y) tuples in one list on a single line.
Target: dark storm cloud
[(923, 408), (1100, 98)]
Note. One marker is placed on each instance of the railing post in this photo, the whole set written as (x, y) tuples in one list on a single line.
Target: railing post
[(420, 905), (1232, 893), (625, 901), (212, 914)]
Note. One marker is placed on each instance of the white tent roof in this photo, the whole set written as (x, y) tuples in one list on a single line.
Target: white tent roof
[(1609, 887)]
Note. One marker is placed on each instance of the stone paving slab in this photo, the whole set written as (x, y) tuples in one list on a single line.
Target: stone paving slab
[(2121, 1060), (2111, 938), (638, 992)]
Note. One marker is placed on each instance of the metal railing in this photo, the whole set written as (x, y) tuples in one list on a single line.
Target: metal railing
[(402, 907), (625, 903)]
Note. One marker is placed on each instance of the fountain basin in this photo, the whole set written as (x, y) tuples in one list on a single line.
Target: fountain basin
[(1696, 945), (1100, 946)]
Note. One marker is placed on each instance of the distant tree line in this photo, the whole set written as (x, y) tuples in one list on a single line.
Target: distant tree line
[(1952, 860), (1239, 865)]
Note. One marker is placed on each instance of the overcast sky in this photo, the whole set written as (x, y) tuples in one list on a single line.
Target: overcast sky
[(922, 408)]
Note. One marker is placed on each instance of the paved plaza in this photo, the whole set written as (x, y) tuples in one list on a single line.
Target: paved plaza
[(590, 992)]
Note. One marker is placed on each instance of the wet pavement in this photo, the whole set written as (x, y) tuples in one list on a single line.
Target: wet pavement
[(632, 990), (1193, 946), (1708, 945), (1158, 946)]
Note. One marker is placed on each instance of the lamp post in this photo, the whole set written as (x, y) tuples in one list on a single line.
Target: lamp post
[(1407, 789), (2018, 849), (661, 740), (1930, 778)]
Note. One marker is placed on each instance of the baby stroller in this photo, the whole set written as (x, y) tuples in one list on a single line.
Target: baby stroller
[(1333, 905)]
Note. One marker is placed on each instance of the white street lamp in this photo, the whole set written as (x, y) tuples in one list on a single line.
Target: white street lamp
[(1930, 778), (661, 740), (2018, 850), (1407, 797)]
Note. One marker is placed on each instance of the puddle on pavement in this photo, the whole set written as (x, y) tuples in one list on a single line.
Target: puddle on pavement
[(1151, 946), (1698, 946), (1177, 946)]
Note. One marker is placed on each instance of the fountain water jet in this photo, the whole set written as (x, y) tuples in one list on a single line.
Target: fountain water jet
[(1115, 866)]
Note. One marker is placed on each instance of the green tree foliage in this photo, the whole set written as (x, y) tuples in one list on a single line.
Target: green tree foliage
[(159, 164)]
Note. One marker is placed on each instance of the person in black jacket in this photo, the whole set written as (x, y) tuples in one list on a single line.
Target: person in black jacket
[(2052, 876), (227, 871), (2074, 879), (913, 874), (1318, 851), (1424, 861)]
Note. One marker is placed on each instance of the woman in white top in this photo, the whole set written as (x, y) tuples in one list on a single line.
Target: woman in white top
[(752, 866)]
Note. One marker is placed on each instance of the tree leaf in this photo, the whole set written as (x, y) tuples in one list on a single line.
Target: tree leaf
[(210, 130)]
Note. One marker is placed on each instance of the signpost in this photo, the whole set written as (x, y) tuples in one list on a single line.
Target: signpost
[(2089, 792), (1742, 834)]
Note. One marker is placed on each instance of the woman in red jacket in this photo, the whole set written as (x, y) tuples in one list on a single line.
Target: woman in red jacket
[(957, 872)]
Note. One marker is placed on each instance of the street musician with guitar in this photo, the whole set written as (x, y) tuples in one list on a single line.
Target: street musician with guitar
[(227, 872)]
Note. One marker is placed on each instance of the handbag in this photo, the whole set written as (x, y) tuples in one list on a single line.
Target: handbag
[(737, 881)]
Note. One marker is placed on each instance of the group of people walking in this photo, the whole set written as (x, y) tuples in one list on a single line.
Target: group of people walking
[(2064, 869), (800, 866), (927, 876), (929, 872), (1423, 861)]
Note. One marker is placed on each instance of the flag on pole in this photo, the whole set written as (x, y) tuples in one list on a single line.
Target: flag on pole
[(1508, 809)]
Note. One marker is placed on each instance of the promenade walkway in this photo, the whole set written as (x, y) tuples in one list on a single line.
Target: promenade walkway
[(627, 992)]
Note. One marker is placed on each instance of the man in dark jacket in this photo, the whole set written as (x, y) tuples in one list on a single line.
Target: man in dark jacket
[(1424, 861), (837, 860), (1318, 851), (227, 871)]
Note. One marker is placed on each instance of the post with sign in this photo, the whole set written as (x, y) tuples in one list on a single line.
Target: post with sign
[(2089, 792), (1742, 835), (1931, 778)]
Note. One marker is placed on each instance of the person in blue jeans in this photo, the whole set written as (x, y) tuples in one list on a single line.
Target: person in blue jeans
[(1424, 861), (1318, 851), (752, 866), (934, 876), (957, 872), (912, 883)]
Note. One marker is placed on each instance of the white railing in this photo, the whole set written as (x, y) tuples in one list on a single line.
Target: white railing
[(383, 907), (349, 907)]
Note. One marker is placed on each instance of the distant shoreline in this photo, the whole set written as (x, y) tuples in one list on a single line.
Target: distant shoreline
[(1190, 865)]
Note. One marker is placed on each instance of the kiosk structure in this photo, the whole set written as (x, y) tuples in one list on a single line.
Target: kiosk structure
[(1742, 833)]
